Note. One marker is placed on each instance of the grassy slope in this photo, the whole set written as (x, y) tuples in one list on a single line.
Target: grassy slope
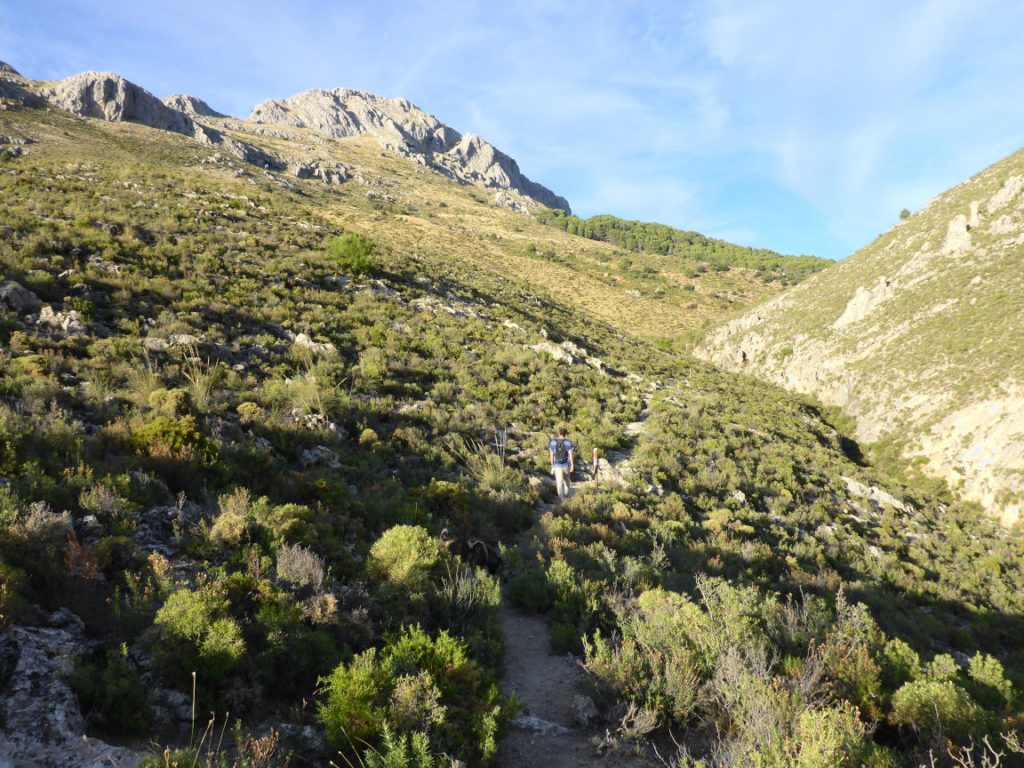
[(733, 478)]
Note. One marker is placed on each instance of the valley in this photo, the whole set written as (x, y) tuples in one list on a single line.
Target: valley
[(246, 383)]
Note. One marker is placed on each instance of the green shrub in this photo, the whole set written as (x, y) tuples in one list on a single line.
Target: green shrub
[(834, 736), (171, 402), (468, 603), (113, 697), (942, 668), (656, 665), (353, 711), (353, 253), (900, 664), (529, 589), (400, 750), (32, 541), (564, 638), (197, 635), (177, 439), (11, 579), (988, 683), (289, 523), (405, 556), (937, 708), (250, 413), (415, 684)]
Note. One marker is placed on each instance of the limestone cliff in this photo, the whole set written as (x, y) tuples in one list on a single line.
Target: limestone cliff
[(107, 96)]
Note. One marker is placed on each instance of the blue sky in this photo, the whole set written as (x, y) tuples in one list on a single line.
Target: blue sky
[(800, 126)]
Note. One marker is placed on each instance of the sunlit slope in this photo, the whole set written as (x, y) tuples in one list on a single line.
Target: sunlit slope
[(919, 336)]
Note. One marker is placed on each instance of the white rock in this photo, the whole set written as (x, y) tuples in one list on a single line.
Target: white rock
[(66, 323)]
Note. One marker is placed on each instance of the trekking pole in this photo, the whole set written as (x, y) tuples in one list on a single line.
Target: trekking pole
[(595, 467)]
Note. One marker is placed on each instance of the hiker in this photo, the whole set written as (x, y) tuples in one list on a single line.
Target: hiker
[(562, 462)]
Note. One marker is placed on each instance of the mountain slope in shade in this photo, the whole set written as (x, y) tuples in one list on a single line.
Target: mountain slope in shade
[(919, 336)]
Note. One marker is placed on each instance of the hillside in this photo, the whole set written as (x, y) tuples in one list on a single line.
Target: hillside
[(240, 404), (694, 249), (918, 336)]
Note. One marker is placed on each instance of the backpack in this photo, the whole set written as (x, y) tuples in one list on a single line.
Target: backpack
[(561, 452)]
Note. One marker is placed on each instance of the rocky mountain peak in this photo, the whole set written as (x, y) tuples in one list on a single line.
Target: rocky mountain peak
[(405, 129), (6, 68), (400, 126)]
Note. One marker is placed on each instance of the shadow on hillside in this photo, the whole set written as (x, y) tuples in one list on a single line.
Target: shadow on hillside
[(928, 623)]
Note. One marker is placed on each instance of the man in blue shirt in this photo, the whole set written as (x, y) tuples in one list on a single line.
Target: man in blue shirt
[(562, 466)]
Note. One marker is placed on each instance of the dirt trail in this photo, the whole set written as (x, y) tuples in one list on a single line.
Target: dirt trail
[(549, 731), (558, 727)]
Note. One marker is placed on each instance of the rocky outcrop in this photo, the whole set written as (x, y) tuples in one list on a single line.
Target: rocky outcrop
[(43, 724), (106, 96), (345, 112), (327, 172), (406, 130), (191, 106), (17, 299), (60, 324), (398, 125), (479, 163)]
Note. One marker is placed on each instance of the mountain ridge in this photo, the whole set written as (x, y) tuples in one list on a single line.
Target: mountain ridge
[(398, 125)]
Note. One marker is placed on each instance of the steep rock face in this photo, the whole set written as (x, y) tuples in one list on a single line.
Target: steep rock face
[(107, 96), (486, 166), (344, 112), (190, 105), (919, 336), (405, 129)]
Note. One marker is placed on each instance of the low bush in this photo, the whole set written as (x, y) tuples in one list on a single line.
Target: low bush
[(167, 437), (406, 556), (11, 580), (468, 601), (938, 710), (113, 697), (300, 569), (171, 402), (415, 684), (353, 253), (196, 634)]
